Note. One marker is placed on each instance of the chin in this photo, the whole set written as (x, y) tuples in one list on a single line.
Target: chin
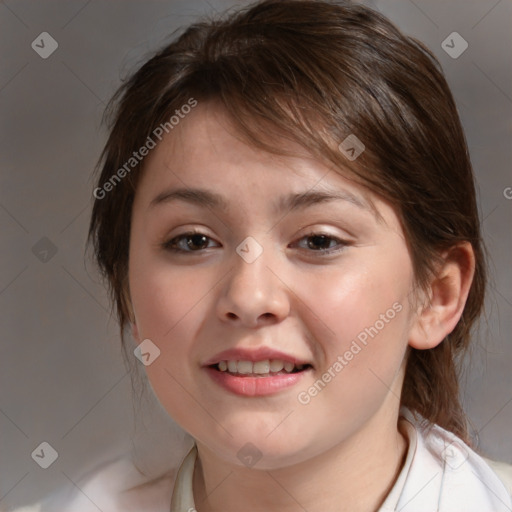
[(256, 450)]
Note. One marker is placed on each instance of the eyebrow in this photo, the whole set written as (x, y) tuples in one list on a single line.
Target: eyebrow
[(208, 199)]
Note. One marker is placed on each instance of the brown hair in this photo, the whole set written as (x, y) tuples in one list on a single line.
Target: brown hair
[(315, 72)]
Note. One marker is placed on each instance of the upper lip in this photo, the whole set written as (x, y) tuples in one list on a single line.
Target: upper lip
[(253, 354)]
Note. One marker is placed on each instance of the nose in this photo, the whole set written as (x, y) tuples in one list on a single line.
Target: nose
[(253, 294)]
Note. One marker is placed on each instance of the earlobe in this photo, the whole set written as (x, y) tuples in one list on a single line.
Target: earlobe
[(448, 293)]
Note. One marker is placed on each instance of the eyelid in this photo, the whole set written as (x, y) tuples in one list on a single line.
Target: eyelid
[(170, 244)]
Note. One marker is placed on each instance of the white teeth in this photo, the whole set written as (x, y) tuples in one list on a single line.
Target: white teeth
[(276, 365), (264, 367), (288, 366), (261, 367), (244, 367)]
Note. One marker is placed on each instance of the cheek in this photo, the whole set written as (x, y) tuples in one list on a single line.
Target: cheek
[(355, 295), (163, 295), (170, 306), (364, 316)]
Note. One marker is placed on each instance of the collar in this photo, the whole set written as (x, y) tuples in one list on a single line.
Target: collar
[(440, 474)]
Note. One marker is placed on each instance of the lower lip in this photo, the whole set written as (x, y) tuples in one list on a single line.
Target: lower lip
[(255, 386)]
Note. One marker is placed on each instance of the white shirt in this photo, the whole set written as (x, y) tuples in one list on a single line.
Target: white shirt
[(440, 474)]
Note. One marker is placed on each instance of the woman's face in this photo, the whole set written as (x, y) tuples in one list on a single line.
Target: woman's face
[(288, 263)]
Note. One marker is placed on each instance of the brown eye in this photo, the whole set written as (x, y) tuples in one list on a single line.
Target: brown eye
[(322, 243), (188, 242)]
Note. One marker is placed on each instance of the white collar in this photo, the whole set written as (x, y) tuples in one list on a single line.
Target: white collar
[(440, 474)]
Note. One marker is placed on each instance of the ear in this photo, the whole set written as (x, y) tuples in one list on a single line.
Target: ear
[(448, 292)]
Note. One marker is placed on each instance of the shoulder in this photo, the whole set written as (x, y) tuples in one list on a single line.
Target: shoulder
[(116, 486), (459, 478), (503, 471), (120, 486), (459, 457)]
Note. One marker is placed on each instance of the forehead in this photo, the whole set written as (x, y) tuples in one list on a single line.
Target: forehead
[(206, 161), (206, 140)]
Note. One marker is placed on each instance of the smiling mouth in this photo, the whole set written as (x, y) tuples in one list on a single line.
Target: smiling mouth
[(265, 368)]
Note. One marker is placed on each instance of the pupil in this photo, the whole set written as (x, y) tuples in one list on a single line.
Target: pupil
[(196, 240), (318, 240)]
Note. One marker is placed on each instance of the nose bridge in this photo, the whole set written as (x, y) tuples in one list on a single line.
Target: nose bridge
[(253, 293)]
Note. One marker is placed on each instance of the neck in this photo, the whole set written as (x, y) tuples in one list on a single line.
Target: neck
[(355, 475)]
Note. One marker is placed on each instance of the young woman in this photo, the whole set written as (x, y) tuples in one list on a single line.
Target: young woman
[(286, 219)]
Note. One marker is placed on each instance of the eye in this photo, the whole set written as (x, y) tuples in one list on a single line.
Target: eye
[(323, 243), (188, 242), (197, 242)]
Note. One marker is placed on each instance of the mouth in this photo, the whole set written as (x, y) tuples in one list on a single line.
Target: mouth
[(259, 369), (257, 378)]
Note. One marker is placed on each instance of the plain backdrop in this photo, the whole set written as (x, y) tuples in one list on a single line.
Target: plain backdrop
[(62, 378)]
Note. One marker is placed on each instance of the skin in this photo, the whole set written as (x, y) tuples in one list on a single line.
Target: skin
[(343, 450)]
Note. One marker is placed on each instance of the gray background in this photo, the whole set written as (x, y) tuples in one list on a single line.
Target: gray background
[(62, 378)]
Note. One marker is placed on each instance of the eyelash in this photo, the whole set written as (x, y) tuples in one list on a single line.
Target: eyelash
[(171, 245)]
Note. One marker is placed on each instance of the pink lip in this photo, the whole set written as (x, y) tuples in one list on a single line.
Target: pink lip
[(255, 386), (257, 354)]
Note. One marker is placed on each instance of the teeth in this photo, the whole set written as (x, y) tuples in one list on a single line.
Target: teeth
[(259, 367), (244, 367), (276, 365)]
